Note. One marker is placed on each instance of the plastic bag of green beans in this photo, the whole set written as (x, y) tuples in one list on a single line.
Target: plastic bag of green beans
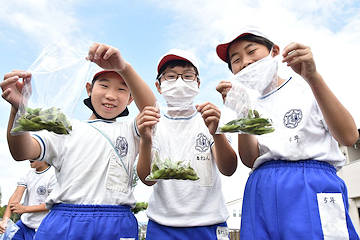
[(167, 169), (244, 101), (179, 144), (58, 78), (253, 123)]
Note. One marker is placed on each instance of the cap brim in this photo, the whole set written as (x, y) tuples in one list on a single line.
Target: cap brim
[(169, 58), (99, 73), (104, 71), (222, 49)]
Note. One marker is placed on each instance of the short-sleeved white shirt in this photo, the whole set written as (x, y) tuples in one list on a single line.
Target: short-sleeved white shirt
[(185, 203), (88, 168), (38, 187), (300, 129)]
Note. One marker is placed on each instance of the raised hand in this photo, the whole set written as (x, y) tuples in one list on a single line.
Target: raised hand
[(12, 87), (211, 115), (106, 57), (146, 120), (223, 88), (300, 58)]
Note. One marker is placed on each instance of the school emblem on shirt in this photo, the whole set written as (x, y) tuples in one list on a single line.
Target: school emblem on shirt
[(121, 146), (41, 190), (202, 143), (292, 118)]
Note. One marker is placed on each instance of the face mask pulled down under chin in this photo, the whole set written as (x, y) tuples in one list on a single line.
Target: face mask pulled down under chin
[(261, 75), (179, 92)]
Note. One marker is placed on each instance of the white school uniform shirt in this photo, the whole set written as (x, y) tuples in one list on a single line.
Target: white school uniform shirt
[(300, 132), (38, 186), (89, 169), (185, 203)]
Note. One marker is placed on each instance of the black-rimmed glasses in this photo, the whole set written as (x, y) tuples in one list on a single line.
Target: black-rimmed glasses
[(172, 76)]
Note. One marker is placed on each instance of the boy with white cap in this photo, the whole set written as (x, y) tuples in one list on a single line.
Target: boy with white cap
[(37, 184), (183, 209), (94, 163), (293, 191)]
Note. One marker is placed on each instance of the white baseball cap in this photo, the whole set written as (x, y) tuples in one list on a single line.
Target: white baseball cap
[(177, 54), (222, 49)]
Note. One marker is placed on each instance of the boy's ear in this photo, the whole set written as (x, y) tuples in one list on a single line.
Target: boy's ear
[(88, 88), (275, 50), (157, 84), (130, 100)]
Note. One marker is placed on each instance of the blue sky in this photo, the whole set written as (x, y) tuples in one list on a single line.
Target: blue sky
[(145, 30)]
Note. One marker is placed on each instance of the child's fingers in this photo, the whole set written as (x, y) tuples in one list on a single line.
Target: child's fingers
[(100, 50), (223, 86), (6, 94), (17, 73), (92, 51), (210, 110), (152, 111), (148, 114), (109, 52), (298, 53), (289, 48), (199, 107), (294, 47)]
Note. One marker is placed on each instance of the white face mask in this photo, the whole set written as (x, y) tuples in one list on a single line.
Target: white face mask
[(261, 75), (179, 92)]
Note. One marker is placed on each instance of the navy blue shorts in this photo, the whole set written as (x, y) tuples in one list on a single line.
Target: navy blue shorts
[(295, 200), (70, 221), (156, 231)]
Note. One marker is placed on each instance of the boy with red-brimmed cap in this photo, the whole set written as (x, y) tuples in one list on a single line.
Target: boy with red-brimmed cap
[(94, 163), (293, 191), (185, 209)]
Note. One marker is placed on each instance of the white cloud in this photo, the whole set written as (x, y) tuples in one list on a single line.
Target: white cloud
[(42, 22)]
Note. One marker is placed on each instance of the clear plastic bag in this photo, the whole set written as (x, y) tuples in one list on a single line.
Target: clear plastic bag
[(243, 101), (261, 76), (251, 83), (58, 78), (172, 157), (10, 230)]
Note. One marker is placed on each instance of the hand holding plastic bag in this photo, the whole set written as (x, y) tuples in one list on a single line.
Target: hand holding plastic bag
[(58, 77), (10, 230)]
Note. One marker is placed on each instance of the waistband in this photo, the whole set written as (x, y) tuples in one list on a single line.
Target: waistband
[(90, 208), (297, 164)]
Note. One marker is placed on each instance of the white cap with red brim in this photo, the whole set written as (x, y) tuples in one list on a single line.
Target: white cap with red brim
[(177, 54), (222, 49)]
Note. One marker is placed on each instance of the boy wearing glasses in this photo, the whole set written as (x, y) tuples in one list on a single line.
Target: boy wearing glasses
[(182, 209)]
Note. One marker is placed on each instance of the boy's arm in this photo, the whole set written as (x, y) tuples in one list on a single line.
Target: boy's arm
[(145, 121), (340, 122), (248, 149), (18, 208), (247, 144), (109, 58), (17, 195), (22, 146), (140, 91), (225, 156)]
